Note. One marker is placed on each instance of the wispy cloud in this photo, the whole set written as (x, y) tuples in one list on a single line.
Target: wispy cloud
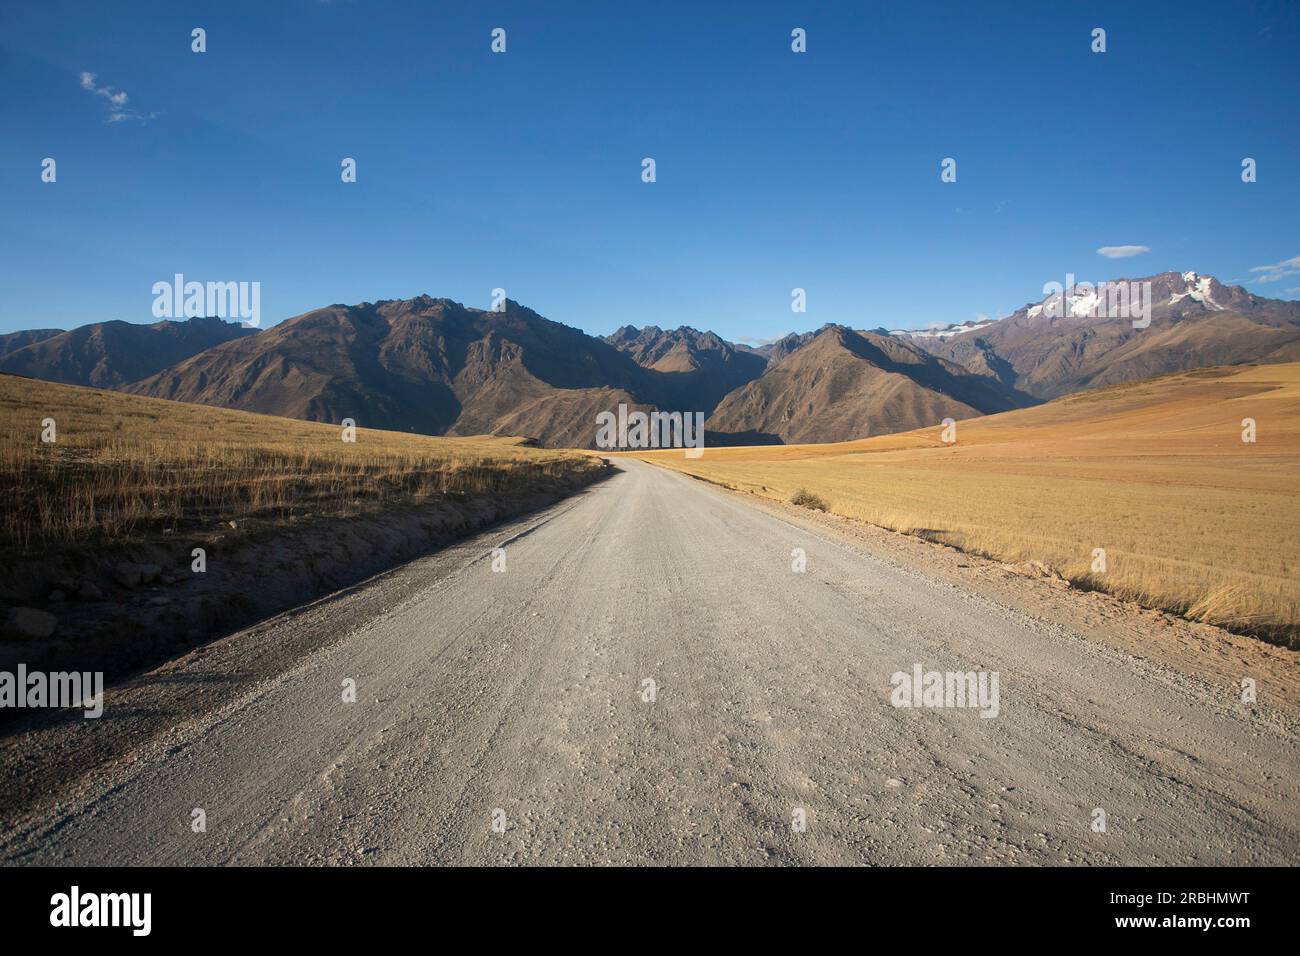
[(117, 99), (1278, 270), (1122, 252)]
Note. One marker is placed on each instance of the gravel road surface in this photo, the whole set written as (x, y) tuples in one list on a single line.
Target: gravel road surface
[(520, 698)]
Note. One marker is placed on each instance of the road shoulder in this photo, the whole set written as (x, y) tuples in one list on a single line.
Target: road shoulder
[(1202, 652), (50, 756)]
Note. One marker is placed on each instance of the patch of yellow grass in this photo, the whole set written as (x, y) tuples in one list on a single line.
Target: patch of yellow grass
[(1192, 519), (124, 465)]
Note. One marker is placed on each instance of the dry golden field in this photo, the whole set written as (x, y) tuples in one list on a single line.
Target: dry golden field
[(1191, 518), (124, 466)]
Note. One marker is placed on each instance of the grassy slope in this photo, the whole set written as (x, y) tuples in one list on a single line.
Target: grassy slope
[(130, 467), (1155, 472)]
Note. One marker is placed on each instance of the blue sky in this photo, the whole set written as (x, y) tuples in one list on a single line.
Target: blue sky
[(522, 170)]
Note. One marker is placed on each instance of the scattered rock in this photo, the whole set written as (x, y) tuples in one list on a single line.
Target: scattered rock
[(66, 585), (58, 596), (90, 591), (127, 574), (27, 622), (133, 575)]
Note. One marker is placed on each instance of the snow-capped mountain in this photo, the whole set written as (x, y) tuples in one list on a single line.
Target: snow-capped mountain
[(1096, 300), (1077, 338), (939, 332)]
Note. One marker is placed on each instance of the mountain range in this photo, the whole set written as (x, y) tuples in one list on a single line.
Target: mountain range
[(111, 354), (1195, 322), (842, 382), (437, 367)]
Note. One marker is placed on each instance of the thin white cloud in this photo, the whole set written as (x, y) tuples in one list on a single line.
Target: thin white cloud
[(1278, 270), (117, 99), (1122, 252)]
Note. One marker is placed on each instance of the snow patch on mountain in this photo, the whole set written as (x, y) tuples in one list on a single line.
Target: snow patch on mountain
[(1198, 289), (946, 332)]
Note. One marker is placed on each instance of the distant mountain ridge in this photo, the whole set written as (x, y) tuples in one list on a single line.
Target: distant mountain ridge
[(861, 383), (14, 341), (1052, 348), (704, 367), (434, 366), (938, 332), (114, 354), (424, 364)]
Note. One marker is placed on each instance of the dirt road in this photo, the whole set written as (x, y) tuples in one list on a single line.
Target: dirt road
[(521, 695)]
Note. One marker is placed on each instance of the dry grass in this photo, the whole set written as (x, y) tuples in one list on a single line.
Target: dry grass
[(1192, 519), (126, 466), (806, 499)]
